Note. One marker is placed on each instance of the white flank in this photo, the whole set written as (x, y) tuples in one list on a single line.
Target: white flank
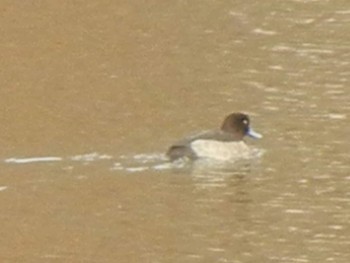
[(221, 150)]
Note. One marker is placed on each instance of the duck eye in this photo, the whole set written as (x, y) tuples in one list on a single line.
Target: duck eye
[(245, 122)]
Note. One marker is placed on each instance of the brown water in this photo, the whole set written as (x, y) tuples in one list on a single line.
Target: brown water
[(104, 87)]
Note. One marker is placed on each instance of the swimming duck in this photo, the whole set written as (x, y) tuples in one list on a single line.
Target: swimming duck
[(225, 143)]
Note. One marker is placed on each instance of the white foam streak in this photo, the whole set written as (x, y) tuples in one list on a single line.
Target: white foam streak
[(33, 159)]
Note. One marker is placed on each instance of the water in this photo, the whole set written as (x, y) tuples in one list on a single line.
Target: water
[(92, 95)]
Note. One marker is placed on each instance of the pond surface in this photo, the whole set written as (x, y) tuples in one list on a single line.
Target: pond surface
[(93, 93)]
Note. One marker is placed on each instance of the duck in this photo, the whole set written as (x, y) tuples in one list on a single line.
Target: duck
[(225, 143)]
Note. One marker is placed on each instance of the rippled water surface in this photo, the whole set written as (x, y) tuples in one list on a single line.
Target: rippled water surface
[(93, 93)]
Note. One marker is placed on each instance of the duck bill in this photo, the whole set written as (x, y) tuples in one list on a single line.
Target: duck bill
[(254, 134)]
